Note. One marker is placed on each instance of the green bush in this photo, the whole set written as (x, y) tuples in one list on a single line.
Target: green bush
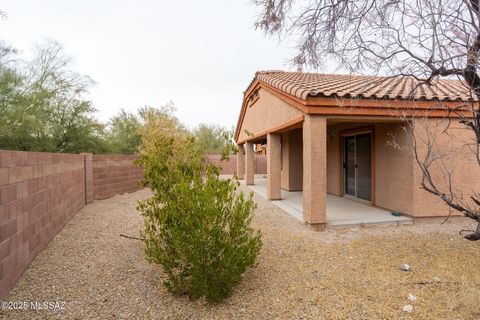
[(197, 226)]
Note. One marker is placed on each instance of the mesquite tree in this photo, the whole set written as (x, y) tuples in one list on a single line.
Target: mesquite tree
[(423, 39)]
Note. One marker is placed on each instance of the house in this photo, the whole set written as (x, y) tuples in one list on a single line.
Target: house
[(347, 138)]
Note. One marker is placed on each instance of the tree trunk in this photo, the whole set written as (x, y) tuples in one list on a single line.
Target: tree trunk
[(474, 236)]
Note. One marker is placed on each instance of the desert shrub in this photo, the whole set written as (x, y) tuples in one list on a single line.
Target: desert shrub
[(197, 226)]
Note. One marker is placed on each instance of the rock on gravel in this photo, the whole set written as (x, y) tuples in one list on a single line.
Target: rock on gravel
[(407, 308), (405, 267)]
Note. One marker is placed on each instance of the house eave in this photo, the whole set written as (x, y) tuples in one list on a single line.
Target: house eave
[(321, 105)]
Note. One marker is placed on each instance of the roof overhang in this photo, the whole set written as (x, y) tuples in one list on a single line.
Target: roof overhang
[(287, 126), (358, 107)]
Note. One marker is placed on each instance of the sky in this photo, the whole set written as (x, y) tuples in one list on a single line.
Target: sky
[(199, 54)]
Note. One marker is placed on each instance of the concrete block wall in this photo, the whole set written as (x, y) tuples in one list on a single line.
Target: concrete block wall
[(260, 164), (115, 174), (89, 195), (39, 193), (230, 167)]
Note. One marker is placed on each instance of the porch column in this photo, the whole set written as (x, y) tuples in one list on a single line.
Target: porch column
[(315, 169), (274, 158), (249, 163), (241, 162)]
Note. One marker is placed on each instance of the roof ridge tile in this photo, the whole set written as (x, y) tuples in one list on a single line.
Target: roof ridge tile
[(305, 84)]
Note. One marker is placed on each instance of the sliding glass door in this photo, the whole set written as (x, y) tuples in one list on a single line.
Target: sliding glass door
[(358, 165)]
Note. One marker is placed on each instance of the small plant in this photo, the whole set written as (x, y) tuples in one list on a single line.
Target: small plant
[(197, 226)]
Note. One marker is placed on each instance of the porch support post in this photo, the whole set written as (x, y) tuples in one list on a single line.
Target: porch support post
[(315, 169), (241, 162), (249, 168), (274, 167)]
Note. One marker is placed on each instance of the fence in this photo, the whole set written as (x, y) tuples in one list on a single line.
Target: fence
[(230, 167), (114, 175), (40, 192)]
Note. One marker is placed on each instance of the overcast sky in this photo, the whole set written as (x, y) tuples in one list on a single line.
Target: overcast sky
[(199, 54)]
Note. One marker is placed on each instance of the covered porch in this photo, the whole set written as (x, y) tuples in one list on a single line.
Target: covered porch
[(332, 136), (333, 171), (341, 212)]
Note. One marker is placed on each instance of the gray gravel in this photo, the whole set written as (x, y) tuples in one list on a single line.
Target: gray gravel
[(334, 274)]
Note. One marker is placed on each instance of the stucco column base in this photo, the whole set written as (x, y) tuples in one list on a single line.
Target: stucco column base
[(249, 168), (317, 226), (241, 162), (315, 169), (274, 158)]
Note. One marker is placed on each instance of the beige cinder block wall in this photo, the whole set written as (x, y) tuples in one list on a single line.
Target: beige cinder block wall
[(267, 113), (292, 160), (466, 171)]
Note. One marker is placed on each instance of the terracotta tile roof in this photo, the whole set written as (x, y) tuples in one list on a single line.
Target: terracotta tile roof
[(303, 85)]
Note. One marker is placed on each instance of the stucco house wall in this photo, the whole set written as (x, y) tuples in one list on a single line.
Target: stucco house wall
[(397, 175), (393, 167), (266, 113), (309, 110), (292, 160), (334, 154), (285, 172), (458, 158)]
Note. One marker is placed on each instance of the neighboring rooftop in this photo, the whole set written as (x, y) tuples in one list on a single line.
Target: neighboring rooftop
[(303, 85)]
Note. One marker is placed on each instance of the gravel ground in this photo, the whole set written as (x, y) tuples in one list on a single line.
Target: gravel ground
[(301, 273)]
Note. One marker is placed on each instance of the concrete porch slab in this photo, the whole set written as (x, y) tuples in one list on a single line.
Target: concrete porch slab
[(341, 212)]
